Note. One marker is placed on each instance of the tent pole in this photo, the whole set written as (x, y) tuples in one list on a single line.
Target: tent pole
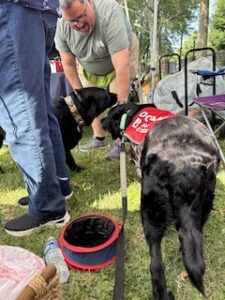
[(154, 46), (126, 9)]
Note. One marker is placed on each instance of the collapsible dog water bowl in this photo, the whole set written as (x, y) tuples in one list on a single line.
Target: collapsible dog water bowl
[(89, 242)]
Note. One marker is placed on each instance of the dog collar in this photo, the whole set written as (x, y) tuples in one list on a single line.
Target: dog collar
[(74, 111)]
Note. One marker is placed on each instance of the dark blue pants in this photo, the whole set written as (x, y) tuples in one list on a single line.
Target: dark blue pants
[(26, 112)]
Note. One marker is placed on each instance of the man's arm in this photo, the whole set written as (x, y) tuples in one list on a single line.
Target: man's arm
[(121, 65), (70, 70)]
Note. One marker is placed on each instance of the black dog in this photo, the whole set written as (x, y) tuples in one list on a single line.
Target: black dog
[(77, 110), (178, 162)]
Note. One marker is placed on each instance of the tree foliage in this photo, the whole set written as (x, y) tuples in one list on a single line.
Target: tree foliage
[(217, 28), (176, 15), (174, 19), (190, 43), (141, 17)]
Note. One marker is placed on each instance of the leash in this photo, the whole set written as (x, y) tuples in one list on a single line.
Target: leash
[(118, 293)]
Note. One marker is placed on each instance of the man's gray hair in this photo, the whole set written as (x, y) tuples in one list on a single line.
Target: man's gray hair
[(65, 4)]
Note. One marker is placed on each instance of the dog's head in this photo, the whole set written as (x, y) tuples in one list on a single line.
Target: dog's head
[(92, 101), (112, 122), (78, 109)]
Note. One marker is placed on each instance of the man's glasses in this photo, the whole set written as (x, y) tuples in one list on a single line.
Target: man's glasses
[(79, 19)]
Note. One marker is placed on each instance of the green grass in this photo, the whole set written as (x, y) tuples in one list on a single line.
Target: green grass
[(97, 189)]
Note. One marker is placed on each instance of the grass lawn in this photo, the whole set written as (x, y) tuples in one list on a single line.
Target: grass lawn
[(97, 189)]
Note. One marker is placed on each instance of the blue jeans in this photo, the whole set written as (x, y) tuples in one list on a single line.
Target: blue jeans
[(26, 111)]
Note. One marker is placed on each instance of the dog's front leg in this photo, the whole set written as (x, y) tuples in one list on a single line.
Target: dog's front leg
[(71, 162)]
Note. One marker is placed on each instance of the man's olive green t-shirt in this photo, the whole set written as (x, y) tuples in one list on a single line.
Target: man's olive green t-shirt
[(112, 33)]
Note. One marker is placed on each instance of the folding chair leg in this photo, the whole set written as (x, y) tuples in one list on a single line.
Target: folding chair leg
[(218, 129), (213, 134), (222, 118)]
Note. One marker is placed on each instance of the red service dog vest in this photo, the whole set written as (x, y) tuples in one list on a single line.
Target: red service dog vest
[(144, 121)]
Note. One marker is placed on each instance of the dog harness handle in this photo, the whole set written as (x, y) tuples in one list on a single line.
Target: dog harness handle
[(118, 293), (123, 120)]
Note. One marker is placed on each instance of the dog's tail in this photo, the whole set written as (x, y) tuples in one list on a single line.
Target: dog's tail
[(192, 215), (191, 239)]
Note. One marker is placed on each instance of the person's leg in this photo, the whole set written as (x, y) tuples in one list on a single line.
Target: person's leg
[(98, 140), (55, 134), (24, 109), (97, 127)]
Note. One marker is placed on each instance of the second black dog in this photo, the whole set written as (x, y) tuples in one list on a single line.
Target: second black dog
[(178, 163), (78, 110)]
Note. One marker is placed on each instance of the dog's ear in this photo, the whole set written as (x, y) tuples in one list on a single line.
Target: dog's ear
[(106, 124), (112, 127), (113, 98)]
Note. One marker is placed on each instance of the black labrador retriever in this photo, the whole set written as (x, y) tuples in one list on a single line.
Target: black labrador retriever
[(77, 110), (178, 162)]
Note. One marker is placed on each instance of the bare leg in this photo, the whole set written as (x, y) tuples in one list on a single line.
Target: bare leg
[(97, 126)]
